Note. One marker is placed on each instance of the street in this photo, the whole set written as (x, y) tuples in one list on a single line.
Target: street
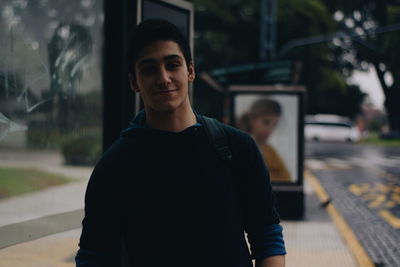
[(363, 183)]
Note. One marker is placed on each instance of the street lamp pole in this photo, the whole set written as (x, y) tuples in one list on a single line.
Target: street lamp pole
[(267, 30)]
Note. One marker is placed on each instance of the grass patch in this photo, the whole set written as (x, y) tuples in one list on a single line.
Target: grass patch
[(15, 181), (373, 138)]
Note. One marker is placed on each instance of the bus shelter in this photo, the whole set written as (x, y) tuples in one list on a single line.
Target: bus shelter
[(274, 116)]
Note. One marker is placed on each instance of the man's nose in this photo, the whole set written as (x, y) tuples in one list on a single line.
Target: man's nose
[(164, 76)]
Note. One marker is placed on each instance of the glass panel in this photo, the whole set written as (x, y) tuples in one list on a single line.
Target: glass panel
[(272, 120), (157, 10), (50, 107)]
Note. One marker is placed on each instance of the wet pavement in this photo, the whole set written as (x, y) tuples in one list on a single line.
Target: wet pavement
[(363, 183)]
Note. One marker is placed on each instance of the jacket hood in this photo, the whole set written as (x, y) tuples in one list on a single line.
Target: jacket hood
[(138, 125)]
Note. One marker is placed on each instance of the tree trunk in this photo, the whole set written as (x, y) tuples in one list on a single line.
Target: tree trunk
[(392, 100), (392, 104)]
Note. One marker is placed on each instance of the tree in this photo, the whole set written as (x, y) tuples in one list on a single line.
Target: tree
[(227, 33), (371, 34), (327, 89)]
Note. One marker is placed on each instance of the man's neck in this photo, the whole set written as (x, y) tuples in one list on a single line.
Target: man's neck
[(174, 121)]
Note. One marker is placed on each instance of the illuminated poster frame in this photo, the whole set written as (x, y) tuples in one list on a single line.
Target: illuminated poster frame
[(288, 142), (285, 143)]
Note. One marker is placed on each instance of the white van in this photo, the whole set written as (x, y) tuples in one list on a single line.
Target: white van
[(318, 130)]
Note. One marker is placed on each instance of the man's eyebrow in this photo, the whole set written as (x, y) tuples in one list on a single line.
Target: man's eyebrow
[(146, 61), (151, 60), (169, 57)]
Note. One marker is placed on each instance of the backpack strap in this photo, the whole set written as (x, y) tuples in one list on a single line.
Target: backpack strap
[(216, 135)]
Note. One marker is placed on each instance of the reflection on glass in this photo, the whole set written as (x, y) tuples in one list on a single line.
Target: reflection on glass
[(50, 104), (50, 86)]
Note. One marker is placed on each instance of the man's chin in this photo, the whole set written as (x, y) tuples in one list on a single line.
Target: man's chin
[(174, 105), (166, 108)]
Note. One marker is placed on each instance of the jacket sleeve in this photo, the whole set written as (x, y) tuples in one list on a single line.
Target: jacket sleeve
[(100, 242), (261, 220)]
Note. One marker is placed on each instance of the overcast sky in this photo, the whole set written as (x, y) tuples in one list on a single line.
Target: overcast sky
[(369, 83)]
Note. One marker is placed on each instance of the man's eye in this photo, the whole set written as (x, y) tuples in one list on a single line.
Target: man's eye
[(148, 70), (173, 65)]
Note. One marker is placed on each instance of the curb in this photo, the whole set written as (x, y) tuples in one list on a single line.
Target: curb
[(345, 231), (22, 232)]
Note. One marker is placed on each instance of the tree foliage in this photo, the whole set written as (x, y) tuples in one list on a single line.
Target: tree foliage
[(227, 33), (373, 27)]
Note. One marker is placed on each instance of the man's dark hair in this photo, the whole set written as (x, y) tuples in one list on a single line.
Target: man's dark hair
[(153, 30)]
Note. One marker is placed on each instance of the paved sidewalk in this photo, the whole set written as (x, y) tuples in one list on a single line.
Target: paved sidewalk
[(312, 242), (315, 241), (47, 202)]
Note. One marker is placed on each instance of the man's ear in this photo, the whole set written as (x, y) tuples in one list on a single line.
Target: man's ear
[(132, 82), (191, 72)]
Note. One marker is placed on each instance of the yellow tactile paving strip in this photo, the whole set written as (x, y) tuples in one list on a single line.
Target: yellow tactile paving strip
[(351, 240)]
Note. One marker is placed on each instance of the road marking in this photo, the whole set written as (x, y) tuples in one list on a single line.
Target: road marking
[(338, 164), (355, 246), (397, 190), (359, 189), (315, 164), (393, 220), (374, 164), (379, 200), (390, 204), (396, 194), (375, 160), (382, 197)]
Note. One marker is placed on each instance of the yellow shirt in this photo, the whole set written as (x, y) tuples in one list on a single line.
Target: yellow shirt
[(277, 169)]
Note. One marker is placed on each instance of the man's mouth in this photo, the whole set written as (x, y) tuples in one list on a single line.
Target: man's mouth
[(161, 92)]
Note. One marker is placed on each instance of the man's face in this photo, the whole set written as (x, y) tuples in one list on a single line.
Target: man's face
[(162, 77)]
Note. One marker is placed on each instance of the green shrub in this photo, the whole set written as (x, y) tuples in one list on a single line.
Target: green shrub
[(82, 149), (41, 136)]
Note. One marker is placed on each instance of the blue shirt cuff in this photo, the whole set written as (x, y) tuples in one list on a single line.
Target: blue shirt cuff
[(267, 242)]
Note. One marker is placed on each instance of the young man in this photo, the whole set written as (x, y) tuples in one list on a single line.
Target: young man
[(161, 195)]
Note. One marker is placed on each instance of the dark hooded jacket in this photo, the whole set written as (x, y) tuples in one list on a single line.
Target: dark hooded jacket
[(167, 199)]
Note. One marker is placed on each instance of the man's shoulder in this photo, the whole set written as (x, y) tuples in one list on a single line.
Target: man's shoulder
[(228, 128), (235, 136), (119, 152)]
